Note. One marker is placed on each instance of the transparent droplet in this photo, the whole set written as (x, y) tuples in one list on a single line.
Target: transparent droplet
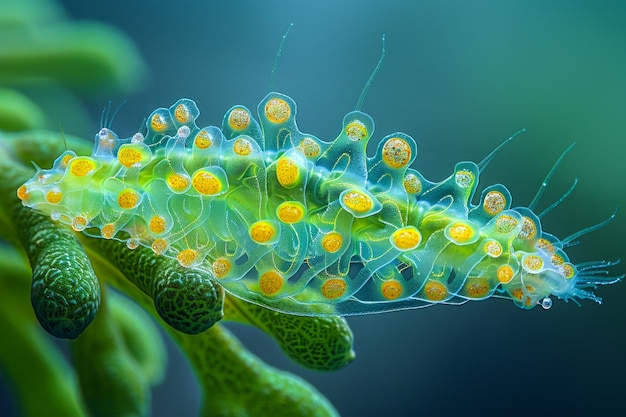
[(546, 303), (132, 243), (137, 137), (183, 132)]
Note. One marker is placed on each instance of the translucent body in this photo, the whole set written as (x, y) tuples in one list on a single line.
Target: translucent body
[(300, 225)]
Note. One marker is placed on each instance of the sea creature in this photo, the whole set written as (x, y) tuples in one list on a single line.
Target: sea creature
[(305, 226)]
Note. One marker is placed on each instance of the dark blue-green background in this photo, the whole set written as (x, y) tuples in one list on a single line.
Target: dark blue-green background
[(460, 76)]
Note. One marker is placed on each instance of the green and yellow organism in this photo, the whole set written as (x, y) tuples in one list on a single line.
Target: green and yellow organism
[(303, 226)]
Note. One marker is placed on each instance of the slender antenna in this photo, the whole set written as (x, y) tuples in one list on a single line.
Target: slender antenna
[(359, 103), (63, 136), (545, 182), (105, 115), (560, 200), (487, 159), (277, 59), (569, 241), (117, 109)]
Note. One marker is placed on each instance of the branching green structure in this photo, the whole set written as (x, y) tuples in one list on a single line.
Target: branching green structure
[(119, 356)]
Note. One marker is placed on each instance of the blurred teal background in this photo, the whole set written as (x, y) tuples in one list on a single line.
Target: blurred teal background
[(459, 77)]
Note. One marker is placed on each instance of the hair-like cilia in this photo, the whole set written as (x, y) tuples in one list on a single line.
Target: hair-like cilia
[(304, 226)]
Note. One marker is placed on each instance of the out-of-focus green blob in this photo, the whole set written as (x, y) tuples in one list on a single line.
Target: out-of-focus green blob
[(29, 12), (320, 343), (51, 60), (39, 374), (40, 146), (141, 337), (111, 381), (18, 112), (85, 55)]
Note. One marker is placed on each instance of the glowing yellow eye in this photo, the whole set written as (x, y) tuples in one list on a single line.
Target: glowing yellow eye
[(221, 267), (357, 201), (181, 113), (435, 291), (334, 288), (271, 282), (505, 274), (287, 172), (332, 242), (406, 238), (568, 270), (277, 110), (178, 182), (391, 289), (158, 122), (157, 224), (356, 130), (506, 224), (187, 257), (129, 157), (79, 223), (493, 248), (66, 160), (82, 166), (22, 193), (464, 178), (263, 232), (108, 231), (203, 140), (477, 288), (544, 244), (494, 202), (242, 147), (239, 119), (206, 183), (290, 212), (460, 233), (54, 196), (412, 184), (529, 229), (396, 153), (310, 147), (159, 246), (128, 199), (532, 263)]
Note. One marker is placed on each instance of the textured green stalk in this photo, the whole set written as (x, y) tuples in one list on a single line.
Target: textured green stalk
[(320, 343), (236, 383)]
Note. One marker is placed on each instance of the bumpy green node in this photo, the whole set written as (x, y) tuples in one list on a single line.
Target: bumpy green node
[(65, 292), (188, 300)]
